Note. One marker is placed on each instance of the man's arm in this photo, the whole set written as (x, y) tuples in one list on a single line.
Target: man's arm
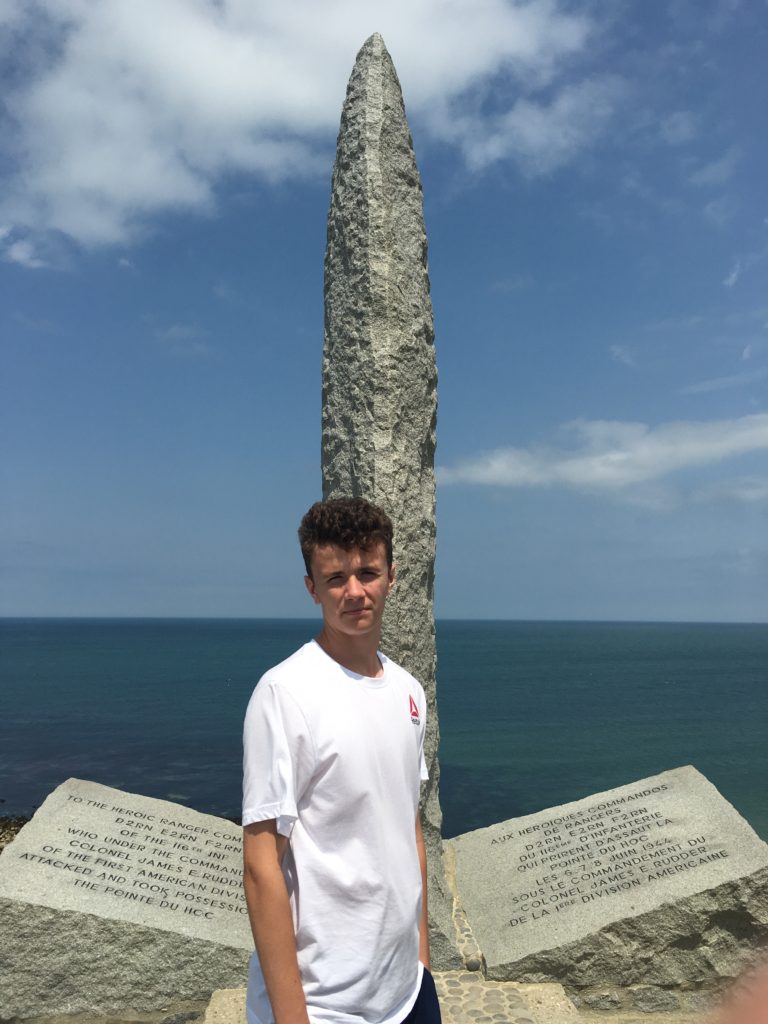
[(269, 911), (423, 923)]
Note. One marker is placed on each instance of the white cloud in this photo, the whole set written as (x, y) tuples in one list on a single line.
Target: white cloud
[(11, 11), (23, 252), (679, 127), (687, 322), (749, 317), (720, 211), (125, 264), (730, 280), (744, 263), (622, 354), (145, 107), (184, 339), (721, 14), (513, 283), (733, 380), (717, 172), (541, 136), (31, 323), (180, 332), (633, 184), (746, 489), (614, 456)]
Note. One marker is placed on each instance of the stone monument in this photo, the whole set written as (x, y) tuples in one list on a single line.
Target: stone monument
[(380, 385), (659, 885), (109, 901)]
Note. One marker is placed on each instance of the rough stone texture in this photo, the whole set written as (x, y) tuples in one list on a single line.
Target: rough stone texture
[(172, 1013), (106, 903), (380, 385), (548, 1002), (660, 883), (602, 999), (227, 1006), (651, 999), (638, 1017), (654, 1003), (468, 949)]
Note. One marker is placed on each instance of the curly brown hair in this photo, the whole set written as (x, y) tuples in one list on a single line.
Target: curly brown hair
[(347, 523)]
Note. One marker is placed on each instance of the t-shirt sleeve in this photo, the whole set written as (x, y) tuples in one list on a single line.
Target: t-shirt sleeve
[(277, 757)]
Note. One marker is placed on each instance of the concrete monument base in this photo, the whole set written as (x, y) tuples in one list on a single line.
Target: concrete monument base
[(650, 888), (111, 900)]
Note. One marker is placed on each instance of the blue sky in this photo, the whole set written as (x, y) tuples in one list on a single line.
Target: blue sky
[(594, 178)]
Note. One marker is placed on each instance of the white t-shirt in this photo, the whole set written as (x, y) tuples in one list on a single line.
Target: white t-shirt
[(336, 759)]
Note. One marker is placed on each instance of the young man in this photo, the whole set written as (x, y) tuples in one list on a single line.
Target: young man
[(335, 869)]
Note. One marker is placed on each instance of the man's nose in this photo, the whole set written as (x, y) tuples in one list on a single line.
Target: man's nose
[(354, 588)]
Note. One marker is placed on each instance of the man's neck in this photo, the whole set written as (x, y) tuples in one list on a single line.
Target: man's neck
[(358, 654)]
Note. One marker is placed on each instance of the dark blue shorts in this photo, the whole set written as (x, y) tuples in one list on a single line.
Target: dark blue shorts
[(426, 1009)]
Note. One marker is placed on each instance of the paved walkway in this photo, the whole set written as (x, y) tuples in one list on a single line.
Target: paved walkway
[(467, 998), (464, 999)]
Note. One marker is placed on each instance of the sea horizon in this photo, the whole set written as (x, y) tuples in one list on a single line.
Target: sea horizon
[(533, 713)]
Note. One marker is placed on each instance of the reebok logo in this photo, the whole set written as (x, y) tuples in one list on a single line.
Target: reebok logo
[(414, 711)]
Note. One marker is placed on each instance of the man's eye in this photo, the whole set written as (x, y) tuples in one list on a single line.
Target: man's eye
[(369, 573), (335, 579)]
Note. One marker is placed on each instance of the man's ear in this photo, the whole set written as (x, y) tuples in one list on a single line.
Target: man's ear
[(309, 583)]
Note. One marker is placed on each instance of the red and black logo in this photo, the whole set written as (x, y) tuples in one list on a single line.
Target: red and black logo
[(414, 711)]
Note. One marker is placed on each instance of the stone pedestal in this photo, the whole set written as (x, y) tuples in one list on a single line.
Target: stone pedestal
[(660, 883), (111, 900)]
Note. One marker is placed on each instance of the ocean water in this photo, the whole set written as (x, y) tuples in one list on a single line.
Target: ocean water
[(532, 714)]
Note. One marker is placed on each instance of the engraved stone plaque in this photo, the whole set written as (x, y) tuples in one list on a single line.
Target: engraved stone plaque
[(98, 870), (658, 882)]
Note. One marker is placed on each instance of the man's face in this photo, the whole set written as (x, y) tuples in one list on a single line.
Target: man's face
[(351, 587)]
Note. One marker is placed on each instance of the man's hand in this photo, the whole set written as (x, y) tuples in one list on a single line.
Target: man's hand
[(747, 1001), (271, 920), (423, 923)]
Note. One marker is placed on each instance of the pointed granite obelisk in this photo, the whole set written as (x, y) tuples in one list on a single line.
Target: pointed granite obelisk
[(380, 386)]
